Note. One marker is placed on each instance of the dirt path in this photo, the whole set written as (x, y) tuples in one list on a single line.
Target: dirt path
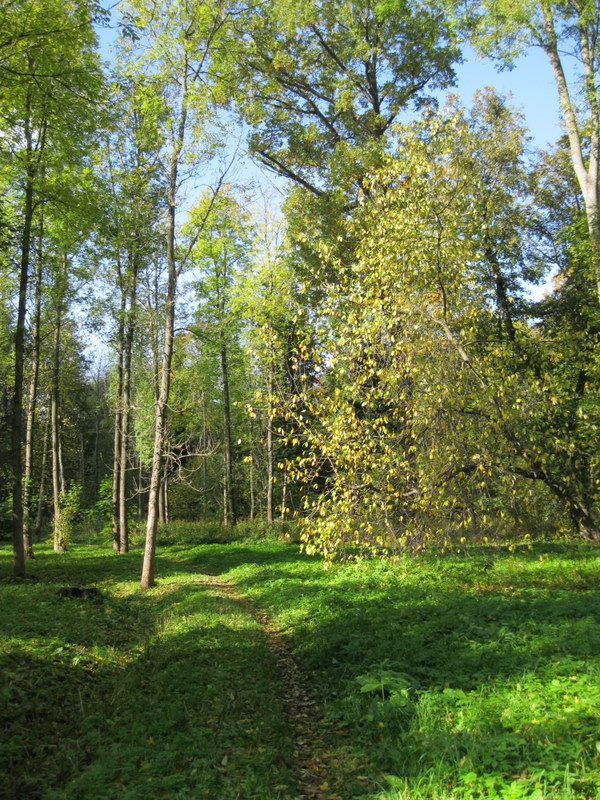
[(312, 756)]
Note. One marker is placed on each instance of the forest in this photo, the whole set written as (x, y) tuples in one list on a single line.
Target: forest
[(291, 331)]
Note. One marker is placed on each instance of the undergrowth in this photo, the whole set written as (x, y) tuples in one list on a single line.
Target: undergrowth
[(449, 676)]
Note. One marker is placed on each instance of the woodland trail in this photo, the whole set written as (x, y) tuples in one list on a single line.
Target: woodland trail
[(312, 752)]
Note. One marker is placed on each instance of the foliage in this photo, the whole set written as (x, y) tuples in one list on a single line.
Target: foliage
[(322, 82), (68, 507), (563, 31), (440, 395), (215, 532)]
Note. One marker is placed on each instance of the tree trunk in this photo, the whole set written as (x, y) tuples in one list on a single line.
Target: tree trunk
[(589, 530), (96, 457), (40, 503), (17, 404), (270, 475), (283, 496), (204, 453), (127, 351), (161, 499), (160, 418), (230, 513), (60, 544), (165, 491), (251, 476), (139, 489), (32, 399), (587, 177), (118, 432)]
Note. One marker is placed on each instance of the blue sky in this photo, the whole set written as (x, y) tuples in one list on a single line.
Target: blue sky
[(531, 83)]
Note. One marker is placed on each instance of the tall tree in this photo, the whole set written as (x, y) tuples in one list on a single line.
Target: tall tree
[(439, 397), (130, 239), (322, 83), (272, 309), (567, 31), (222, 255), (47, 78), (175, 47)]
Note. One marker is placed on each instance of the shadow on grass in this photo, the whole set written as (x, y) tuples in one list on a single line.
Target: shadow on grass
[(480, 669), (183, 715)]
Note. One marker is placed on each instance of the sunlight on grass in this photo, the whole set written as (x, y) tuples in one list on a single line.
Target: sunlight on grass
[(441, 678)]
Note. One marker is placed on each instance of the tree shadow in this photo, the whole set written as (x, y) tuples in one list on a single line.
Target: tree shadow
[(479, 653), (182, 716)]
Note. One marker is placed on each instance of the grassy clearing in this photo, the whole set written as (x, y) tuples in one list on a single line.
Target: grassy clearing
[(442, 677)]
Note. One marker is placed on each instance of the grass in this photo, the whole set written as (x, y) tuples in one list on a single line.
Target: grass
[(442, 677)]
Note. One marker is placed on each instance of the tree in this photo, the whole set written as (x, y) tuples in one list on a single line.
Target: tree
[(46, 81), (130, 231), (221, 254), (562, 29), (439, 396), (176, 44), (321, 83), (276, 322)]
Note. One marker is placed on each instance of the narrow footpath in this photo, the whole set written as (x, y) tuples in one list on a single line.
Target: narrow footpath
[(312, 752)]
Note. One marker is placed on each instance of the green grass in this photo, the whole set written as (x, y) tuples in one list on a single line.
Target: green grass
[(141, 695), (442, 676)]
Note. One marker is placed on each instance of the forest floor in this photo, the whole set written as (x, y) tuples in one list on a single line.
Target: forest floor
[(252, 673)]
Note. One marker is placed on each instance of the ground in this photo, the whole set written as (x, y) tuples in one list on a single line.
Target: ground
[(252, 673)]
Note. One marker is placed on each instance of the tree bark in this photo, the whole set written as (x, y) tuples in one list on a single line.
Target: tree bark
[(229, 498), (587, 177), (127, 352), (42, 487), (60, 544), (19, 347), (160, 420), (118, 435), (32, 397), (251, 475), (270, 474), (283, 496)]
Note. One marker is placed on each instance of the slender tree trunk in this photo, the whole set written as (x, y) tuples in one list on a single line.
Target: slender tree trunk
[(204, 453), (19, 346), (96, 461), (229, 496), (177, 148), (283, 497), (161, 499), (81, 459), (166, 496), (587, 177), (32, 398), (123, 521), (118, 432), (57, 477), (160, 420), (141, 483), (270, 475), (251, 476), (131, 319), (42, 487)]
